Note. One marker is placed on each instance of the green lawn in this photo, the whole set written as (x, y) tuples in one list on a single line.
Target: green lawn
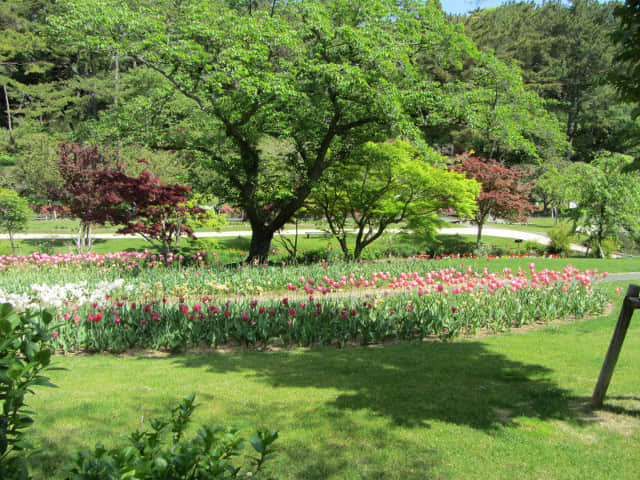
[(305, 242), (534, 224), (70, 226), (415, 243), (500, 407)]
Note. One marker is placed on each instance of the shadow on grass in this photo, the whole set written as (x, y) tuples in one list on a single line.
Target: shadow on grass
[(411, 385), (314, 460), (332, 454), (626, 405)]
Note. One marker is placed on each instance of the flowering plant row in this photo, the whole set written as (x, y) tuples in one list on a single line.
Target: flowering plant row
[(58, 296), (442, 303), (39, 261), (31, 289), (146, 258)]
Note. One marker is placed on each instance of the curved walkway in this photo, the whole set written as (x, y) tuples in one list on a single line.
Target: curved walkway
[(621, 277), (462, 230)]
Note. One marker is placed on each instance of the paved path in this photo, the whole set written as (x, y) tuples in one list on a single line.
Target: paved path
[(488, 231), (621, 277), (462, 230)]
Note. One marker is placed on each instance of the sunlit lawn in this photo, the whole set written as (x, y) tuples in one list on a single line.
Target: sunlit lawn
[(70, 226), (533, 224), (241, 243), (506, 406)]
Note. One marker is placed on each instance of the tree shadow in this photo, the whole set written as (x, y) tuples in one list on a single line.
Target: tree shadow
[(627, 405), (326, 456), (411, 385)]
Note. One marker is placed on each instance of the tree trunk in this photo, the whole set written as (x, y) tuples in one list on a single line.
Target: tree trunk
[(8, 107), (13, 247), (88, 239), (357, 252), (479, 237), (261, 238), (84, 240), (600, 251)]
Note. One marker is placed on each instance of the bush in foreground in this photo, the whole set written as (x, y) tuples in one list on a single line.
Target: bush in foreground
[(150, 455), (25, 351)]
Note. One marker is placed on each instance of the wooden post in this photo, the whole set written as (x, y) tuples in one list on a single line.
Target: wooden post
[(629, 304)]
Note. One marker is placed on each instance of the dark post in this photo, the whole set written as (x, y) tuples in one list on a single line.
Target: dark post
[(629, 304)]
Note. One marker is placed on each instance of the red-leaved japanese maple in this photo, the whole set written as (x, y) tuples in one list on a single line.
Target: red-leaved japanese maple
[(504, 194), (80, 190), (145, 206), (97, 191)]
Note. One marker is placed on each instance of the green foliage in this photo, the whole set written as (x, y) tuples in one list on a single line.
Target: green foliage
[(608, 199), (627, 38), (627, 78), (565, 53), (25, 351), (506, 118), (208, 222), (7, 160), (561, 237), (343, 74), (36, 152), (14, 213), (151, 455), (391, 183), (554, 184)]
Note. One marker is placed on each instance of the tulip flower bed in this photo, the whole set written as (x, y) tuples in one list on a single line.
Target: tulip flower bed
[(152, 305)]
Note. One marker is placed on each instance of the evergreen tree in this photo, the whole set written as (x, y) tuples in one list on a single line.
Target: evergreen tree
[(565, 55)]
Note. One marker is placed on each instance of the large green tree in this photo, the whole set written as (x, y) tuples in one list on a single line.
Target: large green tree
[(565, 53), (390, 183), (320, 77), (505, 119), (608, 199), (50, 90), (627, 78), (554, 187), (627, 38)]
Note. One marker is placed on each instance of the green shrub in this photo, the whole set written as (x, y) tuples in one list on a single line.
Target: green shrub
[(561, 238), (483, 250), (315, 255), (532, 247), (607, 247), (24, 352), (7, 160), (150, 456)]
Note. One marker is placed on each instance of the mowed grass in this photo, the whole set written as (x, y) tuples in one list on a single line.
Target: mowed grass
[(533, 224), (238, 246), (508, 406)]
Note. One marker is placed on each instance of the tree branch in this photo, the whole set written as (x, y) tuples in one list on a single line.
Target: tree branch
[(177, 85)]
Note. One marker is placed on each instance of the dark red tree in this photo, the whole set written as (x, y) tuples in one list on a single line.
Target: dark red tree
[(145, 206), (505, 192), (80, 190), (97, 191)]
